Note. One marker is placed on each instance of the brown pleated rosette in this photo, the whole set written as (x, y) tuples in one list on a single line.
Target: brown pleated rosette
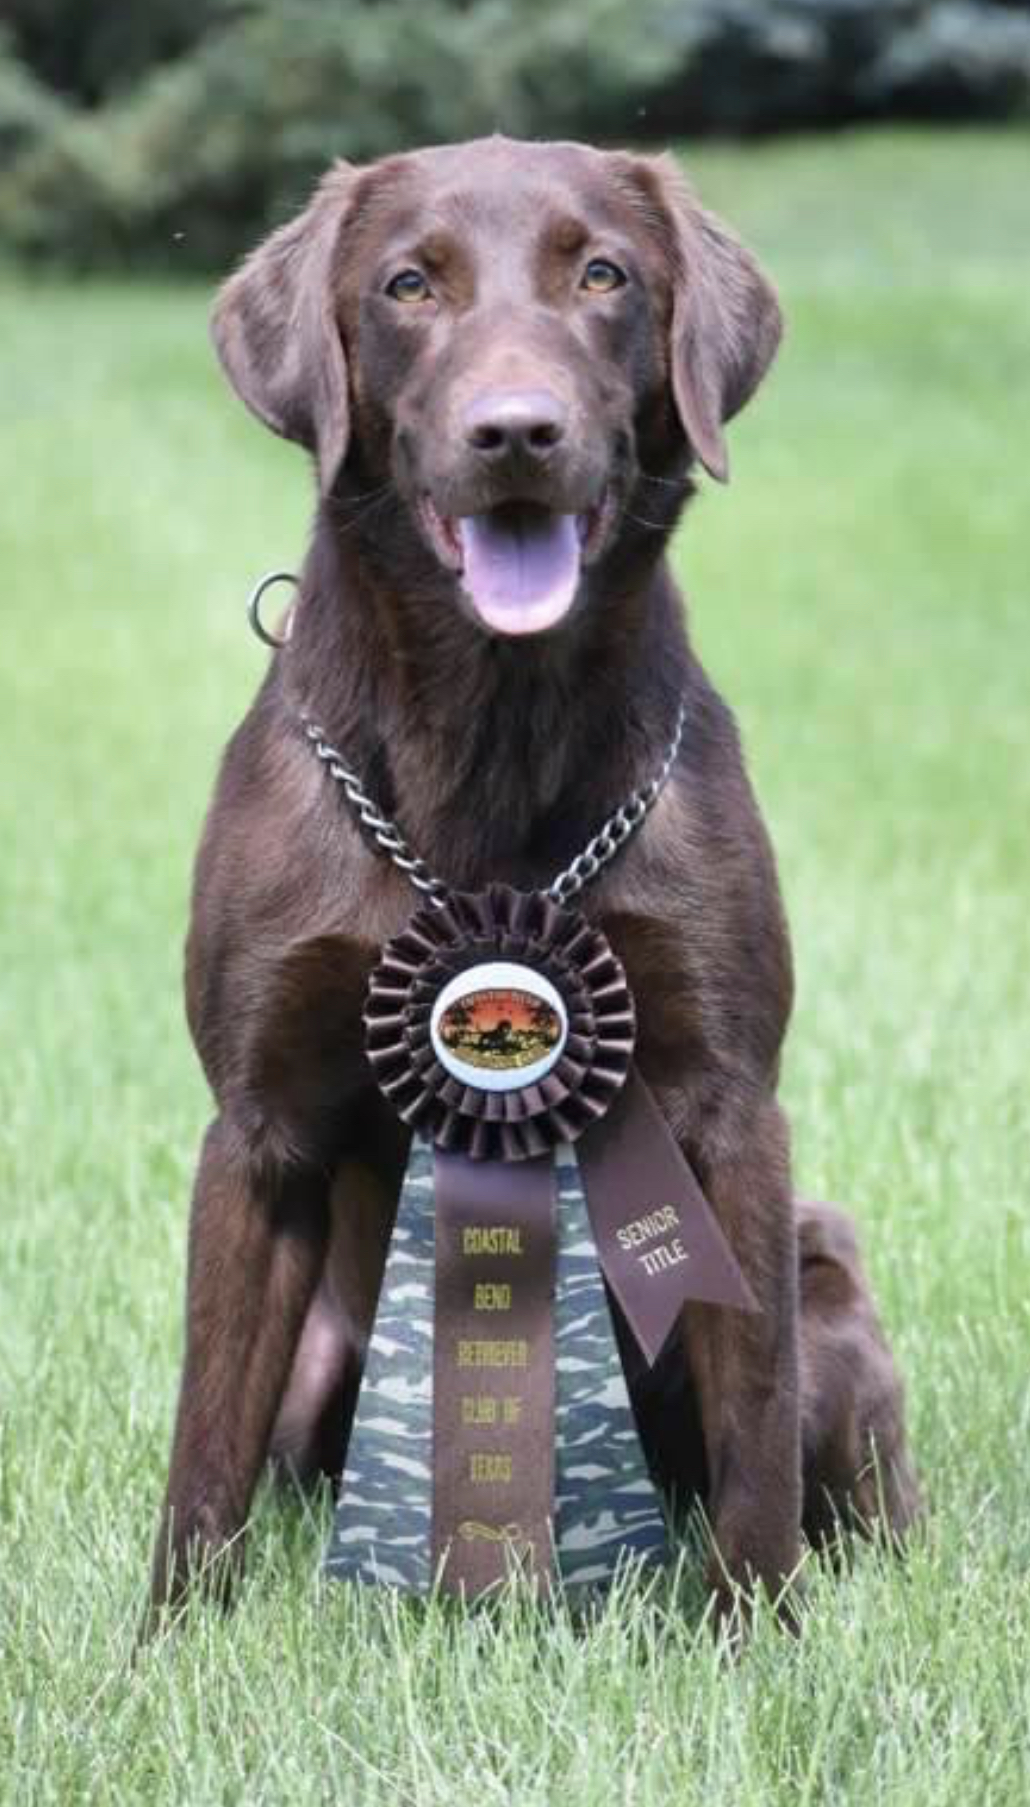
[(527, 929)]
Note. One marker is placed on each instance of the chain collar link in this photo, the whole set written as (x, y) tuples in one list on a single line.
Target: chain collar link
[(604, 845)]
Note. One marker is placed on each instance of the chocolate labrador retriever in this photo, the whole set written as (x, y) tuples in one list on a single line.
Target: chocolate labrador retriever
[(506, 360)]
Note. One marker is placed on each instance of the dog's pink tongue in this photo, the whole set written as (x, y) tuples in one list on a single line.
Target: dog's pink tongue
[(521, 567)]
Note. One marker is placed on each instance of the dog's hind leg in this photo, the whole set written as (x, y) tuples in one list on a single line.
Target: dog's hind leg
[(308, 1438), (857, 1470), (313, 1422), (255, 1256)]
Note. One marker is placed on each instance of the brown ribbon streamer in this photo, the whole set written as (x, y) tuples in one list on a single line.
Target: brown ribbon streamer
[(657, 1237), (493, 1371)]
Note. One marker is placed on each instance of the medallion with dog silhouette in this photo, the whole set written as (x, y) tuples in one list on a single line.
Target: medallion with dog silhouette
[(499, 1025)]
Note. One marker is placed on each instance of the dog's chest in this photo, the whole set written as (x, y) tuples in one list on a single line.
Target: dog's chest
[(300, 1045)]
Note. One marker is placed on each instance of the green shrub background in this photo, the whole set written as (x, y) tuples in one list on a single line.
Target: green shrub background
[(174, 132)]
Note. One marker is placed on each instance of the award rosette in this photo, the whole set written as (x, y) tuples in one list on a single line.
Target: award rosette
[(493, 1430)]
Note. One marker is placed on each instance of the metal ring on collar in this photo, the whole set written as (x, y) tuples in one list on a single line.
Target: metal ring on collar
[(254, 608)]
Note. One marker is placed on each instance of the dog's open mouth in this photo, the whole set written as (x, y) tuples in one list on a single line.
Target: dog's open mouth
[(519, 563)]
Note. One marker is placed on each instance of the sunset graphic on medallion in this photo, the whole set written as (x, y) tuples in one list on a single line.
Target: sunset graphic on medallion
[(500, 1028)]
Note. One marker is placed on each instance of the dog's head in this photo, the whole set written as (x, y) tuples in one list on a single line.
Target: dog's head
[(528, 343)]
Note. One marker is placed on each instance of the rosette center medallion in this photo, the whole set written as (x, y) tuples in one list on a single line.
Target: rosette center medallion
[(499, 1026)]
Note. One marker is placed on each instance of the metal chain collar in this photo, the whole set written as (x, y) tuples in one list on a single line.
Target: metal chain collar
[(603, 847)]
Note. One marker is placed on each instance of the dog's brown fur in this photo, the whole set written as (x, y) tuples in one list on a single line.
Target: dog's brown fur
[(500, 757)]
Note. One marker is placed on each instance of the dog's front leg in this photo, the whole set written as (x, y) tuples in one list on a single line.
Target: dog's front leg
[(745, 1365), (255, 1254)]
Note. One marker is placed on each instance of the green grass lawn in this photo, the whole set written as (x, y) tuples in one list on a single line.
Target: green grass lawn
[(860, 595)]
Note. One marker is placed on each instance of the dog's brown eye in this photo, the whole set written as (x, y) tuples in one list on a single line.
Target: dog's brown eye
[(601, 276), (408, 285)]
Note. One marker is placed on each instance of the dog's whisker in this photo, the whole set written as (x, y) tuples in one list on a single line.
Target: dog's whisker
[(679, 483), (363, 513), (348, 503)]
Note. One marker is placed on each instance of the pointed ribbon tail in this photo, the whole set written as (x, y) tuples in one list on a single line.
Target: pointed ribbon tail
[(658, 1239)]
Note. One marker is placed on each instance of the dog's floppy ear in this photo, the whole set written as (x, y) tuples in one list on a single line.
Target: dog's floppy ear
[(276, 333), (726, 322)]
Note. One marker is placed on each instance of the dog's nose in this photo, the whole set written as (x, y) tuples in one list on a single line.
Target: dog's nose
[(527, 423)]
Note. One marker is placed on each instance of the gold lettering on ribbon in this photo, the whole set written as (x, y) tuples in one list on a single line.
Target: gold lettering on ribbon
[(491, 1296), (492, 1239), (486, 1408), (640, 1231), (473, 1353), (479, 1408), (490, 1469), (473, 1530)]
